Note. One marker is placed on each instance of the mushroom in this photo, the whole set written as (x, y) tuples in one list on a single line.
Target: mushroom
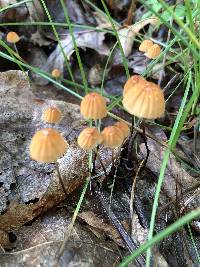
[(51, 115), (93, 106), (133, 80), (12, 37), (123, 127), (89, 138), (145, 100), (112, 137), (47, 145), (145, 45), (154, 51), (56, 73)]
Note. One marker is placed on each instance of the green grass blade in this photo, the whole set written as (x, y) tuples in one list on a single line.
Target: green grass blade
[(43, 74), (118, 40), (58, 39), (180, 119), (194, 244), (180, 23), (173, 29), (14, 5), (163, 234), (75, 46)]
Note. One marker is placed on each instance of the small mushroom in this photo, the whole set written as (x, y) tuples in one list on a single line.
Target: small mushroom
[(56, 73), (112, 137), (123, 127), (133, 80), (145, 45), (12, 37), (154, 51), (145, 100), (48, 145), (52, 115), (93, 106), (89, 138)]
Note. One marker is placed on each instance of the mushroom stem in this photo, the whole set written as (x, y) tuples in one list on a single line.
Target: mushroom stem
[(132, 124), (60, 178), (97, 156), (16, 50), (103, 167), (145, 142), (113, 160), (129, 164), (94, 160)]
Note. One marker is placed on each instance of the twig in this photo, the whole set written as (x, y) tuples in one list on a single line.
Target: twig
[(60, 179), (131, 11)]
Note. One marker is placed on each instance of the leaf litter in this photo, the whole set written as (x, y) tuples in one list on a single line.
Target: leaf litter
[(28, 189)]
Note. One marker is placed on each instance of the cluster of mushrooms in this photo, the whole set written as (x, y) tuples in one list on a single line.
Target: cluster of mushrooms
[(151, 50), (141, 98), (48, 145)]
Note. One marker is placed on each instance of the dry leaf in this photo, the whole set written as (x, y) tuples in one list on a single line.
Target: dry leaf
[(96, 222), (175, 174), (38, 244), (84, 39), (5, 3), (127, 35)]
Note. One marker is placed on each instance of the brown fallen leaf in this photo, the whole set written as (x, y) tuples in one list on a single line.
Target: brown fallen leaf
[(175, 175), (84, 39), (127, 34), (98, 223), (38, 244)]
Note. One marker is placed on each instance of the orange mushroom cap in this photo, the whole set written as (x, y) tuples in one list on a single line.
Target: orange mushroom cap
[(12, 37), (56, 73), (123, 127), (47, 145), (133, 80), (154, 51), (145, 101), (112, 137), (93, 106), (52, 115), (145, 45), (89, 138)]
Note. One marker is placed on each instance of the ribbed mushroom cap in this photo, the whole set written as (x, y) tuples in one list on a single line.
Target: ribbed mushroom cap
[(52, 115), (112, 137), (145, 101), (93, 106), (12, 37), (132, 81), (123, 127), (89, 138), (154, 51), (47, 145), (56, 73), (145, 45)]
